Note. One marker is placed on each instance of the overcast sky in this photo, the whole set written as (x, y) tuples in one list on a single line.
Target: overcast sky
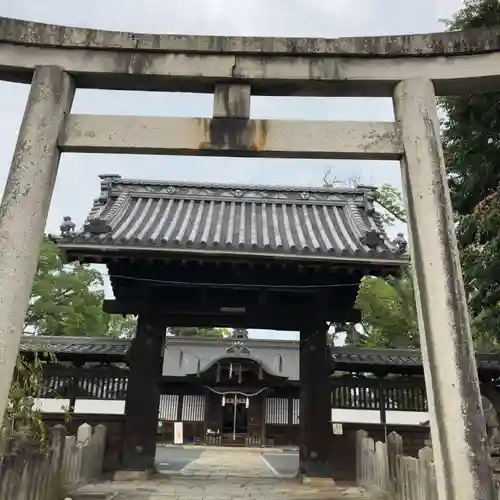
[(78, 183)]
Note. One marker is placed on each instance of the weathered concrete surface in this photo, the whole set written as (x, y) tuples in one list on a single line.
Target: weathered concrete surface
[(457, 424), (457, 62), (25, 206), (232, 100), (228, 489), (231, 136), (471, 41)]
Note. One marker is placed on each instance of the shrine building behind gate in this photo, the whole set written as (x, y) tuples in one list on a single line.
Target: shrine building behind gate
[(233, 391), (377, 390)]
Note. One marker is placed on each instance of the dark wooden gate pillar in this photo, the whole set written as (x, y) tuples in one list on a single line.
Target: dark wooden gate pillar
[(143, 394), (315, 405)]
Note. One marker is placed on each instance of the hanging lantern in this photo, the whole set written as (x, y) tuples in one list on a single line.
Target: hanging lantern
[(247, 404), (223, 400)]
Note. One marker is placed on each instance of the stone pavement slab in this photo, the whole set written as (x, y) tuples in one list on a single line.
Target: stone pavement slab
[(213, 462), (227, 463), (163, 488)]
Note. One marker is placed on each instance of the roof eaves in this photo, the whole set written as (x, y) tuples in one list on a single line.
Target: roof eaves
[(385, 259)]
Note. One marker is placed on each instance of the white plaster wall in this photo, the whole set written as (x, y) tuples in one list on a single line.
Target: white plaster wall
[(373, 417), (85, 406), (96, 406), (51, 405)]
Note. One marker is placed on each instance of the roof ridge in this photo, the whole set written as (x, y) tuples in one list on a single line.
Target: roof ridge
[(75, 339), (110, 179)]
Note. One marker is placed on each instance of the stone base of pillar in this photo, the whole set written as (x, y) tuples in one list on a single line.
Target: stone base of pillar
[(133, 475), (317, 482), (137, 462), (315, 469)]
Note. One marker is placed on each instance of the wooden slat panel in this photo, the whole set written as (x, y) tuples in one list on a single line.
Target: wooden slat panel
[(364, 394), (193, 408), (169, 404), (277, 411)]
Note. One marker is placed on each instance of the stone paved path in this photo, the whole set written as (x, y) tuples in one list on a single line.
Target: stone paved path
[(220, 462), (163, 488)]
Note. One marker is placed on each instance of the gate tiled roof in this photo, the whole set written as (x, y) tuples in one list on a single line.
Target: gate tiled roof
[(85, 346), (219, 218)]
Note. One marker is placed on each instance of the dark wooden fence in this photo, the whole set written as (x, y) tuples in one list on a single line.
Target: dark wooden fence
[(353, 393), (85, 383), (393, 394)]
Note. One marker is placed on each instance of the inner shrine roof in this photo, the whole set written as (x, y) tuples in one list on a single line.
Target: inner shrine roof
[(191, 356), (209, 349), (220, 219)]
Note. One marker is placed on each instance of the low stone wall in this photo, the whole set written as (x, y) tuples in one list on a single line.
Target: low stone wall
[(383, 469), (30, 473), (115, 432), (343, 456)]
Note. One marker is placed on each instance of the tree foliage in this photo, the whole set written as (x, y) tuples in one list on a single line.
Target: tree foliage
[(67, 300), (472, 151), (389, 198), (121, 327), (198, 332), (22, 419), (387, 306), (389, 317)]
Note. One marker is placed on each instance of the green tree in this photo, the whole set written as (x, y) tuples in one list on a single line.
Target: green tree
[(472, 151), (198, 332), (389, 317), (22, 420), (387, 306), (66, 299), (389, 198), (121, 327)]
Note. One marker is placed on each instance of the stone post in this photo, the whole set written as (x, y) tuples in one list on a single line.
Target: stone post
[(25, 205), (456, 417)]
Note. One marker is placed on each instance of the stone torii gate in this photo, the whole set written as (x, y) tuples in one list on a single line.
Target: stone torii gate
[(411, 69)]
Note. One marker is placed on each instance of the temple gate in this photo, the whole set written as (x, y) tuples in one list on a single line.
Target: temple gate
[(184, 254)]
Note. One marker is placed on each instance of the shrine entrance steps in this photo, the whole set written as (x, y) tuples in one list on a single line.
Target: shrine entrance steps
[(170, 488)]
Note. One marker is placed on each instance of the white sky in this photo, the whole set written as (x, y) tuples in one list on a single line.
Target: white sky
[(78, 183)]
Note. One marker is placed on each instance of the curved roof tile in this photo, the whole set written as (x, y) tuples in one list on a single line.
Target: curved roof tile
[(276, 220)]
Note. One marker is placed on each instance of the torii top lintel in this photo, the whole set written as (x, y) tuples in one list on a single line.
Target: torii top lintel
[(273, 66)]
